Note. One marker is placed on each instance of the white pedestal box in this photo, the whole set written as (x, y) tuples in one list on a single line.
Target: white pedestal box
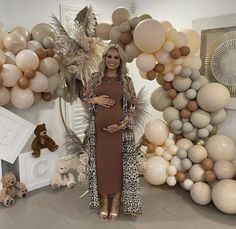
[(37, 172)]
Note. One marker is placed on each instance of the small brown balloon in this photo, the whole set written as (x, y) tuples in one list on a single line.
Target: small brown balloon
[(172, 93), (50, 52), (159, 68), (151, 75), (185, 113), (41, 53), (209, 176), (29, 73), (151, 147), (175, 54), (1, 66), (180, 176), (192, 105), (145, 142), (23, 82), (167, 85), (46, 96), (126, 38), (177, 137), (184, 50), (207, 163)]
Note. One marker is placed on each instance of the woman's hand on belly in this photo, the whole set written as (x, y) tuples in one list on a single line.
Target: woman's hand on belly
[(104, 101), (112, 128)]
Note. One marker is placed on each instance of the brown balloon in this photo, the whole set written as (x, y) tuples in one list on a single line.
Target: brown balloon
[(126, 38), (151, 75), (41, 53), (151, 148), (46, 96), (50, 52), (172, 93), (175, 54), (177, 137), (180, 176), (159, 68), (192, 105), (184, 50), (185, 113), (167, 85), (207, 163), (1, 66), (23, 82), (145, 142), (209, 176), (29, 73)]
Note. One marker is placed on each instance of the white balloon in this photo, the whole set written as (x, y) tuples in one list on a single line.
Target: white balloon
[(10, 74), (201, 193), (4, 96), (156, 170), (27, 59), (39, 83), (171, 181), (171, 170), (196, 173), (188, 183), (52, 83), (49, 66)]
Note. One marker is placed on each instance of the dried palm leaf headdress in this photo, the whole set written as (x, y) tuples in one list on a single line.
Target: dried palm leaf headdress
[(79, 53)]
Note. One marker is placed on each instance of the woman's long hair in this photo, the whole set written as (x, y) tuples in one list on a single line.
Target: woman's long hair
[(122, 69)]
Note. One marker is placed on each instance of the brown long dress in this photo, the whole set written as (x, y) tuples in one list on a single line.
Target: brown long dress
[(109, 145)]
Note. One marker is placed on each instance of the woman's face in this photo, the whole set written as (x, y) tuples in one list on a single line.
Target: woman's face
[(112, 59)]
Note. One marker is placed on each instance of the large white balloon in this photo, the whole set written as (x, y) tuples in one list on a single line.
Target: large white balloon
[(27, 59), (156, 170), (149, 35), (10, 74), (156, 131), (145, 62), (223, 196), (22, 98), (49, 66), (220, 147)]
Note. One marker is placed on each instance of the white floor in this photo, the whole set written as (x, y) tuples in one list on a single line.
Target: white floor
[(163, 207)]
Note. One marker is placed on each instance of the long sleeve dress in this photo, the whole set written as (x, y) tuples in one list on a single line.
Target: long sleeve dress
[(112, 158)]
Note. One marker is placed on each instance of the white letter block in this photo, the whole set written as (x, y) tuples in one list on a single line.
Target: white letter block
[(37, 172)]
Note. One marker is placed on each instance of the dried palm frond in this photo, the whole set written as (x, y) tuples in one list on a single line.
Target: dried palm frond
[(140, 114)]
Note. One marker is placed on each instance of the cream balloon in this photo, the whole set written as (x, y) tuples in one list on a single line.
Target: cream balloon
[(170, 114), (10, 74), (4, 96), (22, 98), (213, 96), (3, 34), (171, 181), (149, 35), (200, 193), (224, 169), (145, 62), (159, 99), (196, 173), (223, 196), (156, 131), (200, 118), (156, 170), (2, 57), (10, 58), (163, 57), (49, 66), (166, 25), (27, 59), (184, 144), (197, 153), (103, 30), (220, 147), (52, 83), (193, 40), (22, 31), (39, 83), (14, 42), (33, 45), (42, 30)]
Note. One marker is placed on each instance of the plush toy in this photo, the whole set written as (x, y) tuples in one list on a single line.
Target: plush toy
[(42, 140), (11, 188), (63, 177)]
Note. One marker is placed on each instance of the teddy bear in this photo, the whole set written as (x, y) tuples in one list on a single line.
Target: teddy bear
[(63, 176), (11, 188), (42, 140)]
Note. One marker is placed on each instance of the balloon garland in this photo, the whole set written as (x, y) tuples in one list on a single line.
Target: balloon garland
[(198, 158)]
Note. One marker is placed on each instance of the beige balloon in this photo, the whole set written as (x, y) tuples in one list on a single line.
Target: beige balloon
[(224, 169), (159, 99), (184, 144), (22, 31), (4, 96), (196, 173), (42, 30), (120, 15), (22, 98), (115, 34), (200, 118), (220, 147), (149, 35), (218, 117), (197, 153), (10, 74), (131, 50), (26, 59), (3, 34), (3, 57), (34, 45), (156, 131), (170, 114), (49, 66), (181, 84), (223, 196), (14, 42), (145, 62), (103, 30), (10, 58), (193, 40), (180, 101), (52, 83), (39, 83), (200, 193), (166, 25), (213, 96)]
